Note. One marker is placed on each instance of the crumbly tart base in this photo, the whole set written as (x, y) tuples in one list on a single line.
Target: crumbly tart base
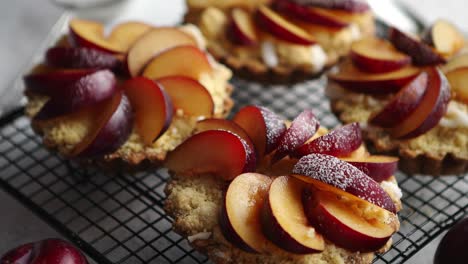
[(412, 161), (195, 203), (256, 70), (129, 161)]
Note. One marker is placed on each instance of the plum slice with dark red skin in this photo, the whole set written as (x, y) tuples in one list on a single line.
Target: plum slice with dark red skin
[(263, 126), (355, 6), (339, 142), (402, 104), (302, 128), (344, 225), (50, 251), (111, 128), (344, 176), (284, 221), (421, 53), (223, 124), (81, 58), (377, 167), (242, 30), (84, 92), (51, 83), (217, 152), (429, 111), (376, 55), (306, 14), (189, 95), (153, 107), (240, 215), (282, 28)]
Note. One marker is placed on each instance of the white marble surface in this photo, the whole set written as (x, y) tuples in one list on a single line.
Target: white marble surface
[(24, 24)]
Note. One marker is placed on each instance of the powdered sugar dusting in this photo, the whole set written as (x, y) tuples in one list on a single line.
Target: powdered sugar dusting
[(302, 128), (344, 176), (338, 142), (275, 128)]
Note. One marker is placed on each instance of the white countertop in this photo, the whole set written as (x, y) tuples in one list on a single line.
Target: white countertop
[(25, 23)]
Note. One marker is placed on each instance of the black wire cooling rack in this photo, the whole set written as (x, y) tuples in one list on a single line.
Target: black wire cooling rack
[(119, 218)]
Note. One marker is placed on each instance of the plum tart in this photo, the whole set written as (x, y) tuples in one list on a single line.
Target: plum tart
[(280, 41), (410, 92), (270, 191), (127, 98)]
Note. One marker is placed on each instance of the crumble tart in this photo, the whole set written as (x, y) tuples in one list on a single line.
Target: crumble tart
[(409, 96), (279, 41), (224, 208), (158, 115)]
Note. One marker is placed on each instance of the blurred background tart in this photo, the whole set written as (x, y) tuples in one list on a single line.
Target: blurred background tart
[(410, 92), (280, 40)]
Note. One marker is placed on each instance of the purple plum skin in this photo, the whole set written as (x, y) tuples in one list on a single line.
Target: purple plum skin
[(49, 251)]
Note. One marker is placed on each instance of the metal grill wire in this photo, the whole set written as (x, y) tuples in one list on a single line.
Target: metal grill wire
[(118, 218)]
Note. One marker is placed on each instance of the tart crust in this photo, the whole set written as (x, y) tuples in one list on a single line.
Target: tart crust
[(412, 161), (195, 202), (132, 161)]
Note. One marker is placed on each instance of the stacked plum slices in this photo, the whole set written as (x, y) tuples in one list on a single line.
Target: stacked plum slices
[(136, 76), (406, 69), (324, 197), (287, 20)]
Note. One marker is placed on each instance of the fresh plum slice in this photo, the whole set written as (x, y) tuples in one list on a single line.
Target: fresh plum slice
[(223, 124), (240, 215), (153, 107), (283, 219), (376, 55), (50, 251), (127, 33), (51, 83), (429, 111), (302, 128), (339, 142), (263, 126), (170, 62), (307, 14), (377, 167), (456, 62), (402, 104), (351, 78), (189, 95), (90, 34), (242, 30), (355, 6), (280, 27), (420, 52), (444, 37), (81, 58), (452, 247), (458, 79), (154, 42), (86, 91), (345, 224), (225, 155), (344, 176), (111, 127)]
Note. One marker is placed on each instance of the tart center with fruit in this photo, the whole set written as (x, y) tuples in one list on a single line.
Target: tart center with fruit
[(265, 192), (280, 36), (128, 97), (411, 95)]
